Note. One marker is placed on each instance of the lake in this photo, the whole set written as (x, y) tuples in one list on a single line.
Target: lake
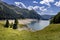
[(38, 25), (33, 24)]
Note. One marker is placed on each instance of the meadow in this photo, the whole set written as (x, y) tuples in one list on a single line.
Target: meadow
[(51, 32)]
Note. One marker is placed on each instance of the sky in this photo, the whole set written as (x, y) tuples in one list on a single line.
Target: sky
[(42, 7)]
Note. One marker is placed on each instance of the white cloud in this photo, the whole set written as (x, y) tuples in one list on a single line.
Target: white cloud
[(35, 2), (33, 7), (20, 4), (43, 8), (17, 3), (46, 2), (57, 4), (30, 7), (37, 8)]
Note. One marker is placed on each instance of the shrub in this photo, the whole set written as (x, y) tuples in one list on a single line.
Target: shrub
[(15, 24), (11, 25), (7, 24)]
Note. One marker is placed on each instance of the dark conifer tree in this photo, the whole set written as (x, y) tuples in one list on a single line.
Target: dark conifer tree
[(7, 24), (15, 24)]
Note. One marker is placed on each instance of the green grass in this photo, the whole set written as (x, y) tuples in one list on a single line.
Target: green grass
[(52, 32)]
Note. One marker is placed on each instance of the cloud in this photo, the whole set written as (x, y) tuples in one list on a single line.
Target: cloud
[(20, 4), (30, 7), (57, 4), (17, 3), (46, 2), (36, 7), (33, 7), (35, 2), (43, 8)]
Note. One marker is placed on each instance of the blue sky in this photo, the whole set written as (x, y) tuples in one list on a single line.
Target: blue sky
[(49, 7)]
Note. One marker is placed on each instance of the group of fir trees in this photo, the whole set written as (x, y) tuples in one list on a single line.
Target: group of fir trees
[(14, 26)]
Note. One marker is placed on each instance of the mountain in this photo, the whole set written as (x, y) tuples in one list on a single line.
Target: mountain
[(46, 17), (11, 12), (7, 12), (26, 13)]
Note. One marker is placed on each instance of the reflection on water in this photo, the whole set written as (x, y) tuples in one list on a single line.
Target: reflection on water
[(38, 25)]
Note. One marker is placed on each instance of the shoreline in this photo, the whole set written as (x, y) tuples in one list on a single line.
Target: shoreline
[(21, 21)]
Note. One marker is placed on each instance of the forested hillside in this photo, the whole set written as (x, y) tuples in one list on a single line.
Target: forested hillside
[(56, 18)]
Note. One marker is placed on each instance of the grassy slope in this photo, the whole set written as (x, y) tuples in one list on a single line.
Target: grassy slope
[(52, 32)]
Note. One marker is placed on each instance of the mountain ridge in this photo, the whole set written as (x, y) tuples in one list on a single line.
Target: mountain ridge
[(16, 12)]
